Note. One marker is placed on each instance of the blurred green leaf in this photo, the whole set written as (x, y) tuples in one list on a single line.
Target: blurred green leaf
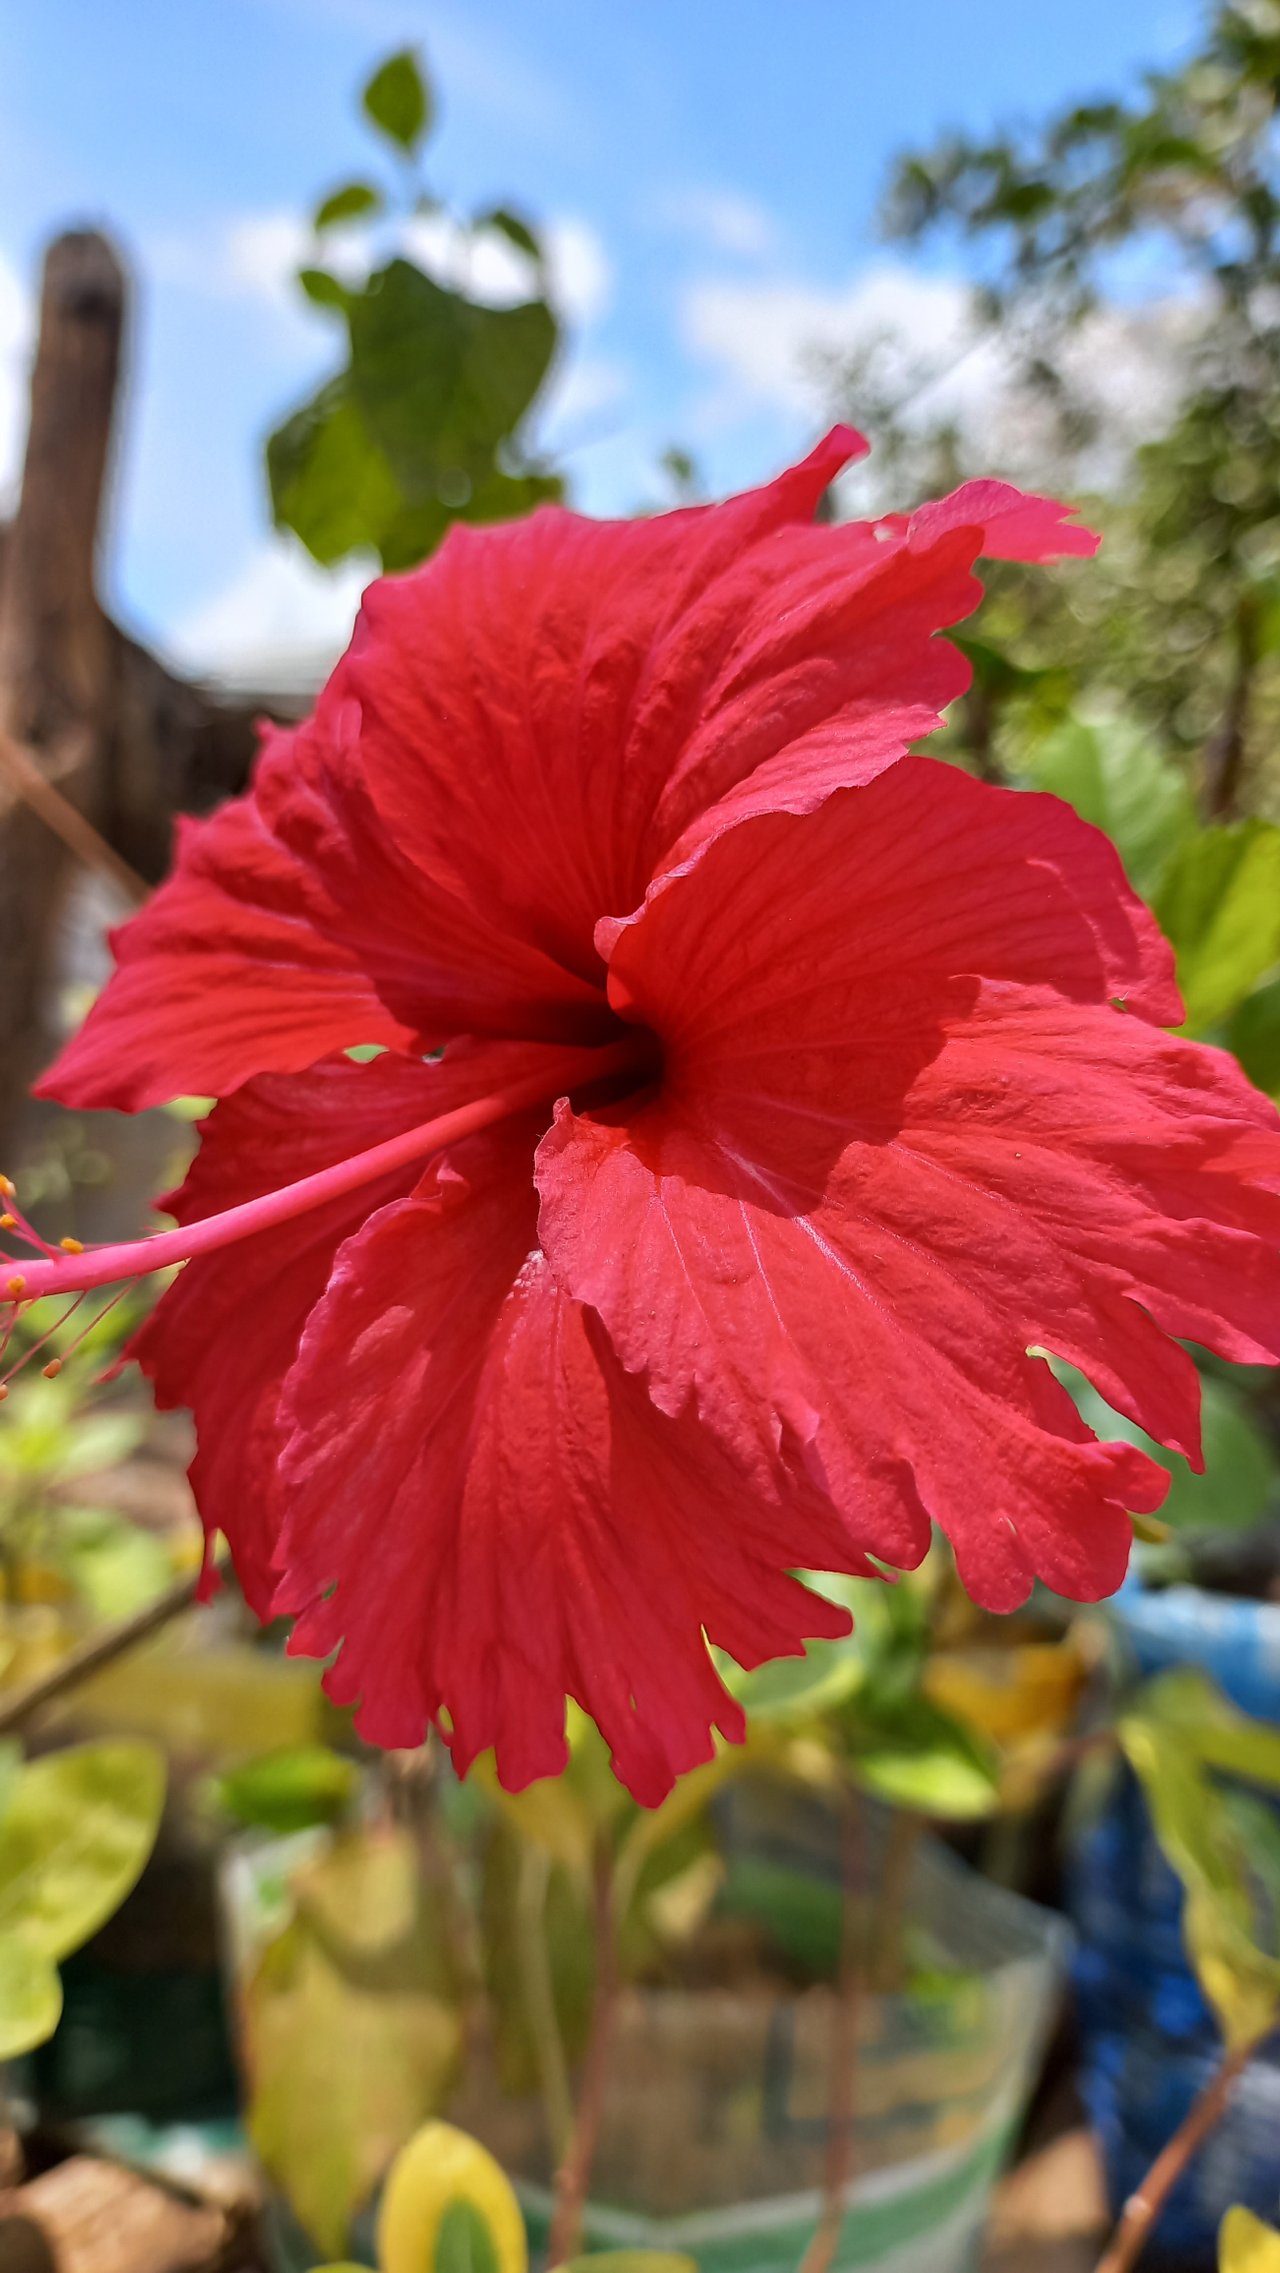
[(798, 1688), (1219, 1735), (1116, 776), (78, 1829), (1254, 1035), (289, 1790), (1240, 1469), (115, 1566), (410, 436), (322, 289), (448, 2206), (464, 2243), (30, 1996), (552, 1814), (1219, 904), (397, 99), (513, 228), (1229, 1920), (353, 202), (916, 1756)]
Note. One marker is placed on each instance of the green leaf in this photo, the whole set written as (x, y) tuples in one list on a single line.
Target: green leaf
[(410, 436), (1219, 904), (289, 1790), (442, 379), (439, 2172), (1239, 1477), (1218, 1734), (1254, 1035), (797, 1688), (323, 290), (352, 202), (76, 1833), (464, 2243), (30, 1996), (330, 483), (510, 226), (1118, 778), (115, 1566), (916, 1756), (1229, 1921), (397, 100)]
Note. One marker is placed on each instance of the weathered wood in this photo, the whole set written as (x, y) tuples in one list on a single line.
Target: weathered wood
[(85, 2216), (102, 723), (55, 650)]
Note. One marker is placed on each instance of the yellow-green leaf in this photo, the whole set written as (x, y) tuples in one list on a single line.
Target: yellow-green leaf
[(630, 2261), (352, 2028), (76, 1833), (1246, 2245), (1219, 1734), (439, 2170), (30, 1996), (1231, 1949)]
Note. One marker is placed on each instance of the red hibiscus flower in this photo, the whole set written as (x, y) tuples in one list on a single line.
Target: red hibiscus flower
[(753, 1102)]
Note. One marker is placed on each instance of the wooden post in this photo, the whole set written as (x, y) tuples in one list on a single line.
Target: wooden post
[(55, 643)]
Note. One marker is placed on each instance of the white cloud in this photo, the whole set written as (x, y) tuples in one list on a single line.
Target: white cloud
[(764, 337), (256, 257), (771, 342), (492, 269), (251, 257), (721, 220), (277, 626), (17, 329), (583, 405)]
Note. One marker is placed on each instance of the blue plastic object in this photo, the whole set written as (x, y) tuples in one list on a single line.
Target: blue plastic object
[(1150, 2041)]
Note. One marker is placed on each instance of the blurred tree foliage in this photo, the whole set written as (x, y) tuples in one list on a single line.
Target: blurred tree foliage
[(424, 423), (1166, 205)]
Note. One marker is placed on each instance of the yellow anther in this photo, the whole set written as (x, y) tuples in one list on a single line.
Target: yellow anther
[(16, 1285), (7, 1187), (71, 1246), (52, 1369), (8, 1222)]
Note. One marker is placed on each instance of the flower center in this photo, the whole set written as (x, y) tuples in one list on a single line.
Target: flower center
[(631, 1061)]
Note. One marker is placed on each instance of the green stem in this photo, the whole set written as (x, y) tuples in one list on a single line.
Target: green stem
[(843, 2066), (574, 2174), (538, 1991)]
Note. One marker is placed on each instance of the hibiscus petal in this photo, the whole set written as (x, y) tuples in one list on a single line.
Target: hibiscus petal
[(546, 714), (1015, 525), (221, 1339), (514, 1523), (230, 970), (902, 1140)]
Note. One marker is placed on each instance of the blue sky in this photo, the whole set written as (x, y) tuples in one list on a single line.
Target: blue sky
[(708, 175)]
